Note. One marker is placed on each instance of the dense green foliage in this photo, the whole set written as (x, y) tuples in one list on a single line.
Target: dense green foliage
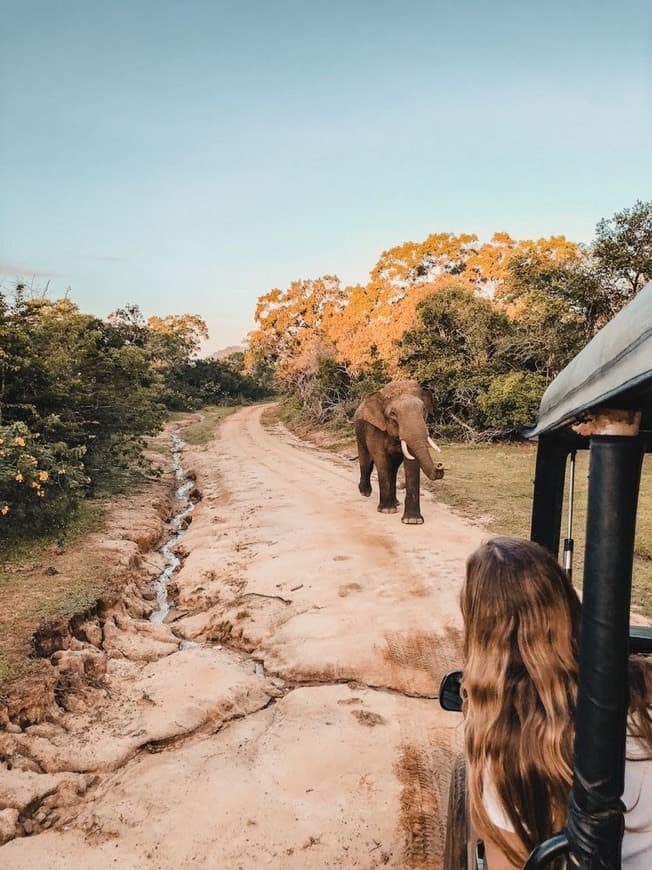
[(39, 482), (74, 379), (194, 383), (79, 394)]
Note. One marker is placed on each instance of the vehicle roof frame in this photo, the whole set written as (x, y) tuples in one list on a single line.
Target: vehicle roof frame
[(614, 370)]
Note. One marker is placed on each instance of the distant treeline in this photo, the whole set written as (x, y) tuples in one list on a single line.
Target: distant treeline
[(78, 396), (485, 326)]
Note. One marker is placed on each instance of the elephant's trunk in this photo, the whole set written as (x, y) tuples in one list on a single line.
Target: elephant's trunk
[(430, 469), (416, 437)]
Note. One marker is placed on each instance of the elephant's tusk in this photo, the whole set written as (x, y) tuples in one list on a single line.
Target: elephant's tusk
[(405, 450), (433, 445)]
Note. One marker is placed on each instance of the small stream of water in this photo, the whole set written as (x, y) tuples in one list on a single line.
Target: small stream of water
[(178, 524)]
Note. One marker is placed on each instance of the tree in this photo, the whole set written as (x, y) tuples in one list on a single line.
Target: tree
[(294, 325), (40, 483), (560, 302), (77, 380), (79, 395), (377, 314), (176, 338), (556, 308), (422, 262), (623, 249), (462, 349)]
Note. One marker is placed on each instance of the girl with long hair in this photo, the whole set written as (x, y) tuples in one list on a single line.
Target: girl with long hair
[(521, 633)]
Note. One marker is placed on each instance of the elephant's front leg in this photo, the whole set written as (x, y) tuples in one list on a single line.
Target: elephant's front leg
[(412, 510), (387, 503)]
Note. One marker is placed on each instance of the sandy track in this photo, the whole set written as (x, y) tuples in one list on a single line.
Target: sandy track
[(301, 733), (334, 590)]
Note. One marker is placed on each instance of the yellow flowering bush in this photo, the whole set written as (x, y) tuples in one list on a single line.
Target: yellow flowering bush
[(40, 482)]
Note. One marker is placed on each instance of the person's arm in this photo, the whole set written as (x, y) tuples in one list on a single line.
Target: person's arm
[(497, 816), (496, 859)]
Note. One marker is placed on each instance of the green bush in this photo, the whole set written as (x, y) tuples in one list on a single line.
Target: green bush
[(511, 401), (471, 355), (210, 382), (40, 483), (459, 347)]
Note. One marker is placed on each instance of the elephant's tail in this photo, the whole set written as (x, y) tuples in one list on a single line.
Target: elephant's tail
[(353, 458)]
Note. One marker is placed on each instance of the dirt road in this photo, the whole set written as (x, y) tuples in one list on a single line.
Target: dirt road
[(283, 715)]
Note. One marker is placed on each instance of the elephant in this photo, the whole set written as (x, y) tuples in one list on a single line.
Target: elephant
[(390, 426)]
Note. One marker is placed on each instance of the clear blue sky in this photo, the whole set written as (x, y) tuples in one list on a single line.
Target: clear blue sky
[(191, 155)]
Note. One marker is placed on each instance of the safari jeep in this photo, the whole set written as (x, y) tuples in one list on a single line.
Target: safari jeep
[(601, 402)]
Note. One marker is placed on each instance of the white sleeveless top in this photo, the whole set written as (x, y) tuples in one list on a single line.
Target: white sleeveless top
[(637, 797)]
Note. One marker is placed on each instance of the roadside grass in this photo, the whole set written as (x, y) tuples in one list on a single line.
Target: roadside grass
[(335, 436), (87, 518), (73, 600), (31, 592), (202, 431), (492, 486)]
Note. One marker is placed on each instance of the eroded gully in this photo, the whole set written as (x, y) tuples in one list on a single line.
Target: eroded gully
[(178, 524)]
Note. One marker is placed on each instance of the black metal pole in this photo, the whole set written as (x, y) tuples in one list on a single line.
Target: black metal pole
[(595, 814), (548, 492), (568, 540)]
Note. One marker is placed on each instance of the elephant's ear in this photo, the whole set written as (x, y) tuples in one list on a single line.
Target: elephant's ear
[(371, 410), (428, 401)]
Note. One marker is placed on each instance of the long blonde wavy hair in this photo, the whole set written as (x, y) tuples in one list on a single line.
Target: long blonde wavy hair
[(521, 618), (522, 621)]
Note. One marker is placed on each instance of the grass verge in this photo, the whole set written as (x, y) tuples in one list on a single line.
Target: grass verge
[(87, 518), (33, 589), (493, 484), (202, 431)]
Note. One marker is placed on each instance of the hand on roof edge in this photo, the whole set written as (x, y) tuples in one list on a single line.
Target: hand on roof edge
[(609, 421)]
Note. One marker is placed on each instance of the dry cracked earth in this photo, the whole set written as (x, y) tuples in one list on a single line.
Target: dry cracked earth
[(284, 715)]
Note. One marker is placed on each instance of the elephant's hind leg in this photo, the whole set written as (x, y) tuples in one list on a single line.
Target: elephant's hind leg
[(366, 467)]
